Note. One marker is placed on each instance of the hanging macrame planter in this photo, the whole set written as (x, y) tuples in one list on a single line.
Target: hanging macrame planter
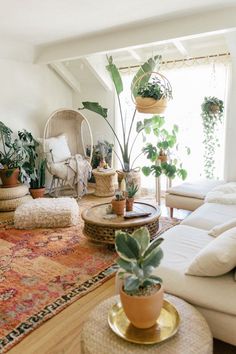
[(152, 96)]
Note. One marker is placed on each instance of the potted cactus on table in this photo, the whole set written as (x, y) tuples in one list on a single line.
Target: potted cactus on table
[(141, 292), (118, 204)]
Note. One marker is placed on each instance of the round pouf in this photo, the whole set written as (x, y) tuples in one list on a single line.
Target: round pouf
[(105, 183), (193, 336), (12, 204), (13, 192)]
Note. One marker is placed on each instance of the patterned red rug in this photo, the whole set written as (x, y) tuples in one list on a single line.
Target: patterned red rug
[(43, 271)]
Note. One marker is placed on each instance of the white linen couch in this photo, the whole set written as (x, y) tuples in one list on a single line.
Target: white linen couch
[(214, 297)]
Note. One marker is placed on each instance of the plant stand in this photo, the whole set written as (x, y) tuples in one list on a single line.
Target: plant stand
[(105, 182), (158, 185)]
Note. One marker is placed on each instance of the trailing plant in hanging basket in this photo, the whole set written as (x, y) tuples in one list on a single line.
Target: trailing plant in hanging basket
[(212, 115)]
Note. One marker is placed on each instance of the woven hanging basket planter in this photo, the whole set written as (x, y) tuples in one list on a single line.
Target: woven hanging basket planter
[(150, 105), (145, 104)]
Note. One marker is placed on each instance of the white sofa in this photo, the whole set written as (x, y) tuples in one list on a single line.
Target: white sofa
[(214, 297)]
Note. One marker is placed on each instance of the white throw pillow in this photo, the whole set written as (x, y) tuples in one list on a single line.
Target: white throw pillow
[(59, 148), (219, 229), (217, 258)]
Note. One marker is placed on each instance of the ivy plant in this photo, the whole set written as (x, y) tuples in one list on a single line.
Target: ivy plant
[(212, 115)]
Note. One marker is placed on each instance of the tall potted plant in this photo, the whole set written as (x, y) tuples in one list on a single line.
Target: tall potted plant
[(125, 142), (37, 179), (164, 150), (142, 292), (15, 155)]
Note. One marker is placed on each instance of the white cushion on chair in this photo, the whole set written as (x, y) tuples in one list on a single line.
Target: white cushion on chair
[(59, 148)]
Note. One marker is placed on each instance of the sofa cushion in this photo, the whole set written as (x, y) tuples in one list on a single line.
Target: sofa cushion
[(219, 229), (197, 189), (216, 258), (209, 215), (181, 244)]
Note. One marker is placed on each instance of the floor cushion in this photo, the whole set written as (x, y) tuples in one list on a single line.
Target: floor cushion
[(46, 213), (13, 192), (12, 204)]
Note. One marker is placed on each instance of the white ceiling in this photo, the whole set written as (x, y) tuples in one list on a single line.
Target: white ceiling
[(46, 21)]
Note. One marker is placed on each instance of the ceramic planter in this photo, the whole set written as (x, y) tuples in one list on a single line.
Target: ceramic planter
[(118, 206), (150, 105), (129, 204), (143, 311), (10, 177), (37, 192)]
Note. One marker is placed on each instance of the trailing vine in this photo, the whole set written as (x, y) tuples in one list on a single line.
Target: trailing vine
[(212, 114)]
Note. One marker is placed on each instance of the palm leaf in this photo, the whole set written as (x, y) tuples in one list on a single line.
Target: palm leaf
[(115, 75)]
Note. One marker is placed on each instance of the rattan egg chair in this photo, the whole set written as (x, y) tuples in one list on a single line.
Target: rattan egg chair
[(76, 129)]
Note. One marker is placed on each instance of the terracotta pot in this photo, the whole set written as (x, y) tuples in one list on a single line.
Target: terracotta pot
[(9, 177), (143, 311), (37, 192), (129, 204), (150, 105), (118, 206), (162, 158)]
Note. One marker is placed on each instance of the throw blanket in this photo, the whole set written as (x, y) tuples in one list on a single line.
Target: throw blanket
[(78, 173), (223, 194)]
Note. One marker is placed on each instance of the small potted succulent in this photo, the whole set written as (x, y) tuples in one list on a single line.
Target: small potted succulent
[(141, 292), (132, 189), (152, 97), (118, 204)]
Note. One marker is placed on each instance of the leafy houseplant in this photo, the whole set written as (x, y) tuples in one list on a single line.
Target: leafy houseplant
[(212, 114), (164, 149), (16, 153), (125, 143), (37, 179), (142, 292), (132, 189)]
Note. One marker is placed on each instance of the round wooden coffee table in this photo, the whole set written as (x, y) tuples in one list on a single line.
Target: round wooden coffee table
[(99, 227)]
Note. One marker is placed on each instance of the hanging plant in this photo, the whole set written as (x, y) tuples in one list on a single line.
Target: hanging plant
[(212, 114)]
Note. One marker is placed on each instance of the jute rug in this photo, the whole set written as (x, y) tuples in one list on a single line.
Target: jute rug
[(43, 271)]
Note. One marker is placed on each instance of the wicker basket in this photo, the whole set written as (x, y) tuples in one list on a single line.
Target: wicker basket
[(150, 105)]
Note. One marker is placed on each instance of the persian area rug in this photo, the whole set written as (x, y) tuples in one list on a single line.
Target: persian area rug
[(43, 271)]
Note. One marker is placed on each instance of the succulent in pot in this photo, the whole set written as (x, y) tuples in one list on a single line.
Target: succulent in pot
[(132, 189), (118, 204), (142, 292)]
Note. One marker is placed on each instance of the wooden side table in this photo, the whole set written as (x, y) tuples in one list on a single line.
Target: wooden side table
[(193, 336), (105, 182)]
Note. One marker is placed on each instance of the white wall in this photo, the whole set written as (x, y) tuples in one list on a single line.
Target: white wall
[(30, 92)]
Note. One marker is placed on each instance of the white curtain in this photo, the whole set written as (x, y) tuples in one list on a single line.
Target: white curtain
[(191, 82)]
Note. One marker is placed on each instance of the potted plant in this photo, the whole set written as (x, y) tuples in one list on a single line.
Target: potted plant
[(164, 150), (152, 97), (132, 189), (125, 142), (142, 292), (118, 204), (15, 154), (212, 117), (37, 179)]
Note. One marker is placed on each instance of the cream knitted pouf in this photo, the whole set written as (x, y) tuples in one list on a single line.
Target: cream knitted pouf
[(47, 212), (193, 336)]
